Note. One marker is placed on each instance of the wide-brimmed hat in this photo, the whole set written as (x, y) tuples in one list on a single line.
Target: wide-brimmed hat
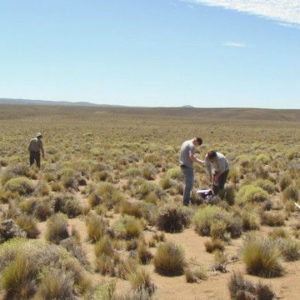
[(39, 134)]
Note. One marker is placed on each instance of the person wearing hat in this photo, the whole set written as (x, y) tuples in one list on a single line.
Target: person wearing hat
[(35, 148)]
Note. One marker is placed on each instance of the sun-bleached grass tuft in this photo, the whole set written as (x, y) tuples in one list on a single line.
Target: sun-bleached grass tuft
[(262, 257), (57, 228), (169, 259), (241, 288)]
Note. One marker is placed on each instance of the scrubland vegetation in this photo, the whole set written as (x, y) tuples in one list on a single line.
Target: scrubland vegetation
[(103, 218)]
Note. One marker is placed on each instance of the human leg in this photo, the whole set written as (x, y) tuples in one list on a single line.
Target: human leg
[(31, 158), (189, 182), (38, 159), (221, 182)]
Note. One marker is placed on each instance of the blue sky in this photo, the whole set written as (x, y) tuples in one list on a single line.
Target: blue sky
[(206, 53)]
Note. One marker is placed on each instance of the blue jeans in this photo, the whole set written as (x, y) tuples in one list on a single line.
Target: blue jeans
[(189, 182)]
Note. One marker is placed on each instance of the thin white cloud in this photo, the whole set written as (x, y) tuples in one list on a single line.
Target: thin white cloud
[(286, 11), (234, 44)]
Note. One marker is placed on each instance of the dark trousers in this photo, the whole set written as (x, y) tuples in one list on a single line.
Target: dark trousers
[(221, 183), (189, 182), (35, 156)]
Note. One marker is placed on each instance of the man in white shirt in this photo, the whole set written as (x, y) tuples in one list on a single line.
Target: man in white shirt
[(186, 161), (218, 168)]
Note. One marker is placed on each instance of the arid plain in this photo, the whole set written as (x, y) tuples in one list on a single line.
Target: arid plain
[(103, 217)]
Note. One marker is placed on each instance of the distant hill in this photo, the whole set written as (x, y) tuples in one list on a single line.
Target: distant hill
[(43, 102), (48, 103), (187, 111)]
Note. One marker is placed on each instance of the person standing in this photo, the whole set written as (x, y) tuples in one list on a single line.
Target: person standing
[(35, 148), (186, 161), (217, 168)]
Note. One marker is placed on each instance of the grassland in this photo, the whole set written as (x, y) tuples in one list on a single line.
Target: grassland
[(104, 213)]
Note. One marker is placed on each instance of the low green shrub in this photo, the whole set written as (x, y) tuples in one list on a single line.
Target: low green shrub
[(266, 185), (251, 193), (204, 219), (20, 185)]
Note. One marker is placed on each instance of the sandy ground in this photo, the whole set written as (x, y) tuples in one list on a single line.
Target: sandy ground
[(216, 286)]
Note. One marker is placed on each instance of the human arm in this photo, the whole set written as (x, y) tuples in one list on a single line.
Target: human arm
[(195, 159), (208, 168)]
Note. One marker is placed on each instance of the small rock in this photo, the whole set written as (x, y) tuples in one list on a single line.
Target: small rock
[(9, 230)]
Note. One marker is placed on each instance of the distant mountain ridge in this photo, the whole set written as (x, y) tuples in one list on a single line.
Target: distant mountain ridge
[(14, 101), (187, 111)]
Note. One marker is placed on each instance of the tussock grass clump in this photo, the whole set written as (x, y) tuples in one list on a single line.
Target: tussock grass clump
[(73, 246), (104, 247), (70, 178), (166, 182), (15, 171), (96, 227), (263, 158), (105, 291), (28, 224), (214, 244), (175, 173), (244, 160), (149, 172), (289, 248), (43, 210), (109, 195), (278, 233), (261, 257), (26, 265), (128, 227), (250, 220), (57, 228), (132, 209), (169, 259), (290, 192), (42, 189), (228, 195), (241, 288), (144, 254), (284, 181), (68, 205), (192, 276), (55, 284), (20, 185), (173, 218), (94, 200), (141, 281), (251, 193), (18, 278), (272, 218)]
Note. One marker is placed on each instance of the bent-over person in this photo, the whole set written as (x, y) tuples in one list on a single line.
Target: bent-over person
[(35, 148), (186, 161), (217, 168)]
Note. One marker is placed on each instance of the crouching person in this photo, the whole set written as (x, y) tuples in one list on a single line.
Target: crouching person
[(217, 168)]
